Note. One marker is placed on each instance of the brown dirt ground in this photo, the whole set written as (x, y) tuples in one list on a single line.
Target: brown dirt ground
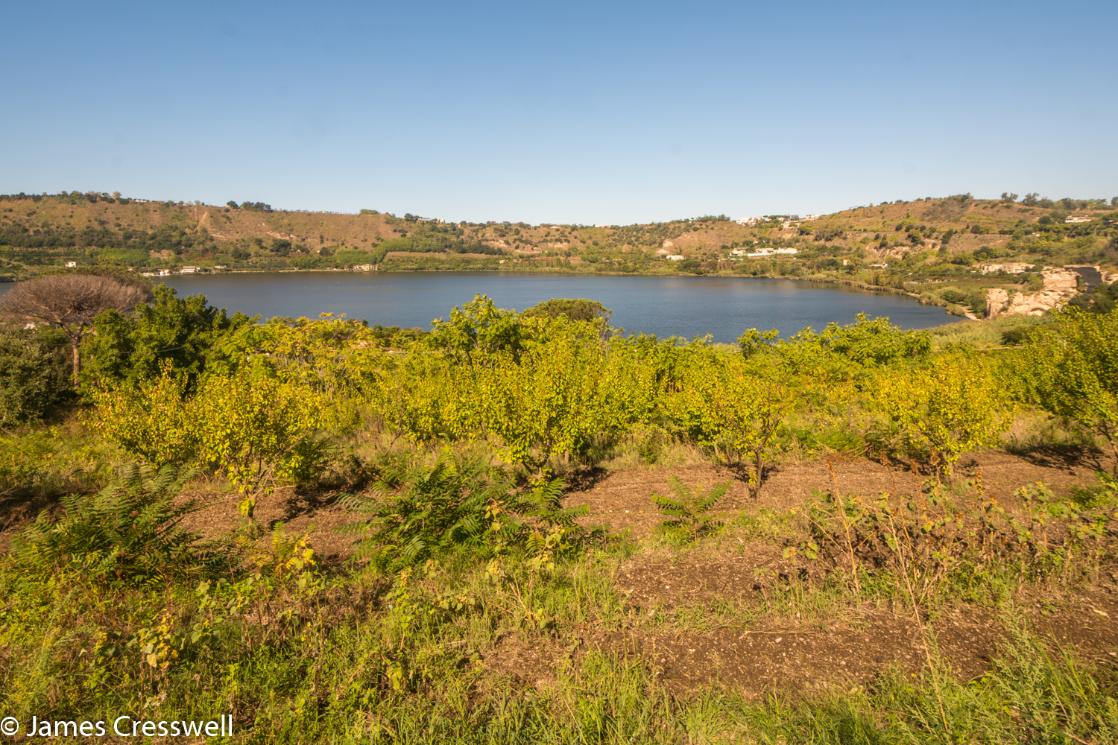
[(799, 657), (666, 579), (804, 658), (622, 501), (323, 520)]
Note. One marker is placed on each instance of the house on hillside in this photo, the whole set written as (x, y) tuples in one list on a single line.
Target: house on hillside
[(1012, 267), (674, 257), (761, 253)]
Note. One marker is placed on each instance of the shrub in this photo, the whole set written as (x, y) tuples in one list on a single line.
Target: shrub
[(34, 375), (873, 341), (149, 419), (561, 392), (571, 309), (1070, 368), (257, 430), (934, 414), (184, 334), (722, 406), (251, 427)]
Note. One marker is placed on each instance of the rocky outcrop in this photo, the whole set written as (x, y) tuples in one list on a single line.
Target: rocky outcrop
[(1060, 286), (1013, 267)]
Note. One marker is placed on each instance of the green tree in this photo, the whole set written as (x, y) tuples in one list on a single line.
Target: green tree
[(931, 415), (34, 375), (1070, 367), (723, 405), (70, 302), (185, 334), (572, 309), (477, 329)]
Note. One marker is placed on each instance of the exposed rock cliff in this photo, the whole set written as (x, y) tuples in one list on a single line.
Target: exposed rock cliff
[(1060, 286)]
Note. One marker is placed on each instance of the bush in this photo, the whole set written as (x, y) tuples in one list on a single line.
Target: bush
[(1070, 367), (257, 430), (251, 427), (546, 389), (934, 414), (873, 341), (34, 375), (183, 334), (721, 405), (149, 419), (572, 310)]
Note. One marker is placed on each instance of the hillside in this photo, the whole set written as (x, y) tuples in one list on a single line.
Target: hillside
[(949, 251)]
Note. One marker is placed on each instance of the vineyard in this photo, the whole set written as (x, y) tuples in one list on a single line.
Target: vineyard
[(527, 527)]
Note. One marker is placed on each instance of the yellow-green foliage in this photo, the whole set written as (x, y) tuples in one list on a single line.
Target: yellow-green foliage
[(934, 413), (256, 429), (1071, 369), (544, 387), (250, 426), (150, 420), (330, 355), (722, 403)]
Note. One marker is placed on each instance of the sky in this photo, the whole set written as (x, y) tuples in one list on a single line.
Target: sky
[(592, 113)]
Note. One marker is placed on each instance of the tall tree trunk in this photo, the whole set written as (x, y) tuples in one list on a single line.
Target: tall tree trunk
[(75, 359)]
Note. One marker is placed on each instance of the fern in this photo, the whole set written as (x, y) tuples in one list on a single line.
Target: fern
[(130, 532), (688, 514), (460, 506)]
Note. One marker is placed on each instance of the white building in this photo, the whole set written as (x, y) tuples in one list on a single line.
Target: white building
[(674, 257), (764, 252)]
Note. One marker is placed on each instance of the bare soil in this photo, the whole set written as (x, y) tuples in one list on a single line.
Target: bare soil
[(622, 501)]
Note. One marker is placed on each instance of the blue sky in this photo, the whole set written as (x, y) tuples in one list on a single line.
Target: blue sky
[(561, 112)]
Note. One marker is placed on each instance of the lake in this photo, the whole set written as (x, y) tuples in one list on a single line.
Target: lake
[(665, 306)]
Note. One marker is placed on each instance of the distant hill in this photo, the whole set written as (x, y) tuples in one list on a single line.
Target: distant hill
[(941, 249)]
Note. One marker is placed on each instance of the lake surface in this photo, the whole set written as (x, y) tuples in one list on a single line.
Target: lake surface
[(665, 306)]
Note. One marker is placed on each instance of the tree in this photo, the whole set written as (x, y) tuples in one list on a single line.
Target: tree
[(70, 302), (1069, 368), (34, 375), (723, 406), (933, 414), (574, 309), (185, 333)]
